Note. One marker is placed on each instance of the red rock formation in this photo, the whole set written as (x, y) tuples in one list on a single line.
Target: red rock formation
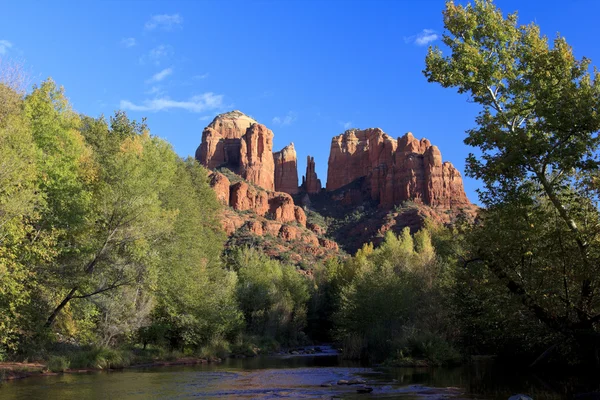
[(244, 197), (300, 216), (289, 233), (394, 170), (328, 244), (221, 143), (272, 228), (281, 207), (220, 185), (286, 170), (317, 229), (236, 141), (256, 156), (310, 182), (256, 227)]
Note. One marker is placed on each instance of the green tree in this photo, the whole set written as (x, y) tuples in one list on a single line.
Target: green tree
[(391, 300), (273, 296), (537, 133), (18, 200), (196, 300), (113, 245)]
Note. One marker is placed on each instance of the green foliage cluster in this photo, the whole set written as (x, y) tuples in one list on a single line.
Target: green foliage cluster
[(109, 242), (107, 237), (391, 301), (273, 296), (537, 133), (111, 248)]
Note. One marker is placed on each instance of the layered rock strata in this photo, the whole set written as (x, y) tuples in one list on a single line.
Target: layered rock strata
[(237, 142), (395, 170)]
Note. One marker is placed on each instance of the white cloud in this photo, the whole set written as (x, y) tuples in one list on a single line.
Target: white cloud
[(159, 76), (423, 38), (201, 76), (164, 21), (128, 42), (156, 90), (206, 118), (286, 120), (4, 46), (347, 124), (157, 54), (196, 104)]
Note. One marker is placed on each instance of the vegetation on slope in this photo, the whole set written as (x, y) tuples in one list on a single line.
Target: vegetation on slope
[(111, 250)]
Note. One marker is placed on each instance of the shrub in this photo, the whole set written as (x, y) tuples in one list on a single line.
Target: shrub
[(58, 364), (217, 347)]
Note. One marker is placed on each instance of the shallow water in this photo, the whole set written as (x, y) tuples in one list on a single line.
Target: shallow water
[(293, 377)]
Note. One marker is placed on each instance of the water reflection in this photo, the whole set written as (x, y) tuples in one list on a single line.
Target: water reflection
[(297, 377)]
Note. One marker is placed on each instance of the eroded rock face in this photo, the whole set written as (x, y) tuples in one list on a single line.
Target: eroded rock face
[(311, 184), (300, 216), (245, 197), (394, 170), (235, 141), (286, 170), (256, 156), (221, 142), (242, 196), (282, 207), (220, 185)]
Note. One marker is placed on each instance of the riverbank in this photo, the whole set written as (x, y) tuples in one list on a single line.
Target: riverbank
[(104, 359), (287, 376), (20, 370)]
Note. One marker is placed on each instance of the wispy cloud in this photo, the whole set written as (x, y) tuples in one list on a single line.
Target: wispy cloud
[(288, 119), (159, 76), (155, 90), (164, 21), (157, 54), (347, 124), (200, 76), (4, 46), (422, 38), (206, 118), (196, 104), (128, 42)]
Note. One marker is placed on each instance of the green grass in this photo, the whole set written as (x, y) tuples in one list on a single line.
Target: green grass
[(106, 358)]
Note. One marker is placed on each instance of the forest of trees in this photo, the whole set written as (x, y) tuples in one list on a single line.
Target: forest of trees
[(111, 246)]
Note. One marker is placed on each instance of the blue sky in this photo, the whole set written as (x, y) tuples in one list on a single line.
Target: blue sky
[(306, 69)]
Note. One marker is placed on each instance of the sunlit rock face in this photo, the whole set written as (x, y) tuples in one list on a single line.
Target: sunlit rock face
[(239, 143), (286, 170), (394, 170)]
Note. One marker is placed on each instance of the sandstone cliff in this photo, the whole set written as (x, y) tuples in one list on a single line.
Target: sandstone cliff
[(311, 184), (375, 183), (239, 143), (256, 156), (221, 140), (286, 170), (393, 170), (262, 213)]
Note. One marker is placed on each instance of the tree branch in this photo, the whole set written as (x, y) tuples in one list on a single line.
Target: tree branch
[(102, 290)]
